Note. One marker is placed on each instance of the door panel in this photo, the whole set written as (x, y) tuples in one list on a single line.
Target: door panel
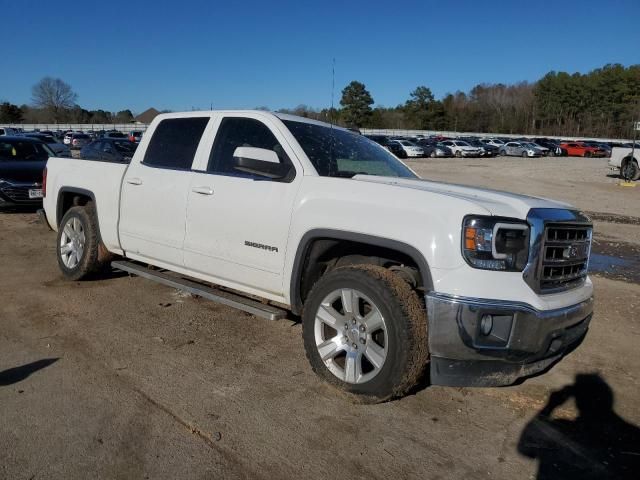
[(153, 211), (238, 224), (239, 233)]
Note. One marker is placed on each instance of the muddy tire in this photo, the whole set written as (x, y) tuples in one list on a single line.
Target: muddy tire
[(365, 332), (630, 170), (79, 249)]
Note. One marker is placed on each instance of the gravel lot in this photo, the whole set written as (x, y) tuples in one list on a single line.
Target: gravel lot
[(135, 380)]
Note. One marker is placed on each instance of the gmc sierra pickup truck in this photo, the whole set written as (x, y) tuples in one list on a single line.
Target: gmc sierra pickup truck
[(390, 274)]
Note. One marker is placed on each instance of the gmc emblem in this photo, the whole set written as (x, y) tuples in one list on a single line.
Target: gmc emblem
[(574, 251)]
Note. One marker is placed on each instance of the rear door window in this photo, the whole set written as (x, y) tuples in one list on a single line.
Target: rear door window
[(174, 143)]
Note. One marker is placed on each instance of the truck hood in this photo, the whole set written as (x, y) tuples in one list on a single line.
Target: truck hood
[(495, 202)]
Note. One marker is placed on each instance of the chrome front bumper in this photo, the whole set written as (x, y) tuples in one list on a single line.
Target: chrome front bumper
[(479, 342)]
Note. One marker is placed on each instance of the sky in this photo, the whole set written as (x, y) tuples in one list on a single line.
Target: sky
[(185, 54)]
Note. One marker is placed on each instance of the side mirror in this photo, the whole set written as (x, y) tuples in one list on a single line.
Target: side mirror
[(259, 161)]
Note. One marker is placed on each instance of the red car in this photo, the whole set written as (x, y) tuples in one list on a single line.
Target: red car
[(579, 149)]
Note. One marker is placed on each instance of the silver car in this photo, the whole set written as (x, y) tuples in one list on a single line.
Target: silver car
[(519, 149)]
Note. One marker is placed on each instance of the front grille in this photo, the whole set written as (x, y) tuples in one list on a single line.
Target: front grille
[(565, 256), (16, 194)]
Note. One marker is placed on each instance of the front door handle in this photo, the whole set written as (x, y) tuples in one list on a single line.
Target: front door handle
[(203, 190), (134, 181)]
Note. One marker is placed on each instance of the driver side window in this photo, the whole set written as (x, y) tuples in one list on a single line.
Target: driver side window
[(237, 132)]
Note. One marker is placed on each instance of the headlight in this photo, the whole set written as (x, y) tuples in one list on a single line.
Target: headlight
[(491, 243)]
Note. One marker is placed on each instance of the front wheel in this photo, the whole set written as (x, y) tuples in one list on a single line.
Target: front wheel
[(524, 155), (458, 154), (79, 249), (432, 154), (365, 331)]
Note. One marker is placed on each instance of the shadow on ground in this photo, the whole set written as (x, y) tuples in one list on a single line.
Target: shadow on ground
[(598, 444), (18, 374)]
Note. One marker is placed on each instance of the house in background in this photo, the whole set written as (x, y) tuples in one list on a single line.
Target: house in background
[(147, 116)]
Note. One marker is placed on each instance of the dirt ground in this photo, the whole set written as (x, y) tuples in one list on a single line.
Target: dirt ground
[(124, 378)]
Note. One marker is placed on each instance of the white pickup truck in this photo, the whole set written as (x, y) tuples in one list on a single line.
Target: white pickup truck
[(626, 160), (390, 274)]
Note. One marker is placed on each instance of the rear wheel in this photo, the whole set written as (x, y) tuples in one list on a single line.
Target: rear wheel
[(365, 332), (630, 170), (79, 249)]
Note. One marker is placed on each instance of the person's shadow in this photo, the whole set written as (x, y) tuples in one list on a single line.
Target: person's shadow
[(596, 445)]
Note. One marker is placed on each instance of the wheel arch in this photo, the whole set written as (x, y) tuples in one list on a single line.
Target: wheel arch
[(310, 238), (70, 197)]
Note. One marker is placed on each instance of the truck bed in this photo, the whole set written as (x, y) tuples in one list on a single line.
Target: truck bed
[(102, 179)]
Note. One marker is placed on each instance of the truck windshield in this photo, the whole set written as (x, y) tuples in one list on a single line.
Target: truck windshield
[(339, 153)]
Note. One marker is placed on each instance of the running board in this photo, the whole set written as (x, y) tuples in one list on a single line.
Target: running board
[(230, 299)]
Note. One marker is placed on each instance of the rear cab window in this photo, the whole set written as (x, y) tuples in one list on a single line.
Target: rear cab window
[(174, 143)]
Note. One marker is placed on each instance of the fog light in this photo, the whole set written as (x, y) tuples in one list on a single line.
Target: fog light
[(486, 324)]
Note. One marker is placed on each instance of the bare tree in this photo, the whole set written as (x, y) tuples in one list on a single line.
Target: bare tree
[(54, 95)]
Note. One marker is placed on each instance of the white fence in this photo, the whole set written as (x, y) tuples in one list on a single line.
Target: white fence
[(85, 127)]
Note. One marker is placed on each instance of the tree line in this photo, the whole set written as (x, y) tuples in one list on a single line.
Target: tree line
[(601, 103)]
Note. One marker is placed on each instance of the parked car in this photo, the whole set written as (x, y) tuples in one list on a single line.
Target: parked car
[(22, 161), (486, 149), (577, 149), (555, 150), (434, 149), (340, 232), (135, 136), (519, 149), (394, 147), (109, 149), (460, 148), (602, 146), (79, 140), (496, 142), (544, 151), (379, 139), (114, 134), (59, 149), (8, 132), (410, 149)]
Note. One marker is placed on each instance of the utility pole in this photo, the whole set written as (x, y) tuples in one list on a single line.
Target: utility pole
[(636, 126)]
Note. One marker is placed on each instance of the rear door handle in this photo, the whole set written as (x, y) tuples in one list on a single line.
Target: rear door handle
[(134, 181), (203, 190)]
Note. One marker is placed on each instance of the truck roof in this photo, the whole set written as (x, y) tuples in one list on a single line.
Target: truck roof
[(281, 116)]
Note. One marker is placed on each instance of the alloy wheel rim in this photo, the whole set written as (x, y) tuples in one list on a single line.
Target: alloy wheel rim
[(351, 336), (72, 241)]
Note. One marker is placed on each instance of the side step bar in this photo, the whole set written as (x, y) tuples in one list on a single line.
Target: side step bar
[(231, 300)]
